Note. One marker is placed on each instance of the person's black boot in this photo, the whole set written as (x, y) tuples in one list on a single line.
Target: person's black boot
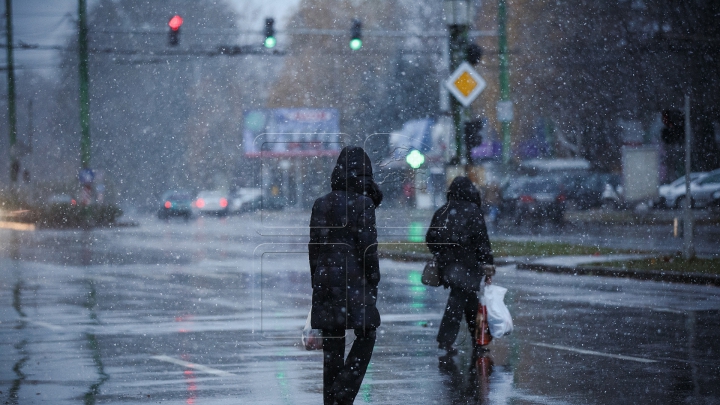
[(449, 350)]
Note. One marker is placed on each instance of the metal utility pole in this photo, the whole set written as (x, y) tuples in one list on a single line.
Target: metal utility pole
[(84, 85), (688, 248), (505, 106), (12, 115), (31, 128)]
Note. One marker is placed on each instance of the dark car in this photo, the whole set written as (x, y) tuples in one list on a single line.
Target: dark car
[(509, 194), (175, 204), (585, 191), (540, 200)]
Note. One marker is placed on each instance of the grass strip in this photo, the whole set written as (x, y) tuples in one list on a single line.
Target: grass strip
[(503, 248), (666, 263)]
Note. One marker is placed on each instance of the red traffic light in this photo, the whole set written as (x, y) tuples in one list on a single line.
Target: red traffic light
[(175, 22)]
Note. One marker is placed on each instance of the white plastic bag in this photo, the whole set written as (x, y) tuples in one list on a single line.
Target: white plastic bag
[(311, 338), (499, 319)]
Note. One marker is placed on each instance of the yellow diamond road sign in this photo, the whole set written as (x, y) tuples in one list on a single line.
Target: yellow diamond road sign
[(465, 84)]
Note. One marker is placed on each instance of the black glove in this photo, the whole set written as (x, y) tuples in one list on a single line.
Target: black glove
[(372, 190)]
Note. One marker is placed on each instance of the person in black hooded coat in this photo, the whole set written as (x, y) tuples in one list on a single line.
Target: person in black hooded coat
[(345, 273), (457, 236)]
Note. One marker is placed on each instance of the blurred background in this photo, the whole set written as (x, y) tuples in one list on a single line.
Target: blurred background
[(598, 87)]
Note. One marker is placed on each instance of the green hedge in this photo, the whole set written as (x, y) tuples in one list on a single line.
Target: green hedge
[(75, 216)]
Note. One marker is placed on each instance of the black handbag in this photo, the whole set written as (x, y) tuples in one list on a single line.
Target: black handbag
[(431, 274), (459, 276)]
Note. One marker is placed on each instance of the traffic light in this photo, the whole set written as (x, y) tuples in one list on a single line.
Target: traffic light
[(270, 40), (473, 54), (14, 170), (415, 159), (356, 35), (674, 131), (175, 23), (473, 136)]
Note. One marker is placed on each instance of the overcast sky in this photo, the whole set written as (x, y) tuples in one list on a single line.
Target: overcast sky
[(51, 22)]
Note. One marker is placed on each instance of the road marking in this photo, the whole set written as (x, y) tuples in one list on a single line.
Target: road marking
[(198, 367), (43, 324), (411, 317), (594, 353), (670, 310), (17, 226)]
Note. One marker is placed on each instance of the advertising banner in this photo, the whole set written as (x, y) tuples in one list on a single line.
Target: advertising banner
[(292, 132)]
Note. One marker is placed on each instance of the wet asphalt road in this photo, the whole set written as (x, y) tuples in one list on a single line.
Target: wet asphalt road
[(210, 312)]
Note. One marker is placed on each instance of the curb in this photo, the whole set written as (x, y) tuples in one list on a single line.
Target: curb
[(652, 275)]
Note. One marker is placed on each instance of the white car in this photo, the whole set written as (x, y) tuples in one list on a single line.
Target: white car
[(672, 194), (705, 191), (246, 199), (212, 202)]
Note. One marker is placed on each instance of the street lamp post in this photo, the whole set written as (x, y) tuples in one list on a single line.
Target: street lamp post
[(84, 86), (458, 14), (12, 119)]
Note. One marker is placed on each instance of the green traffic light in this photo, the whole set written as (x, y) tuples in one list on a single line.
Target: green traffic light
[(355, 44), (270, 42), (415, 159)]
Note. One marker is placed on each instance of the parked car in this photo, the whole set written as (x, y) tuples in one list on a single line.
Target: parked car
[(715, 199), (246, 199), (509, 193), (669, 195), (60, 199), (175, 204), (540, 199), (612, 196), (212, 202), (589, 190), (704, 191)]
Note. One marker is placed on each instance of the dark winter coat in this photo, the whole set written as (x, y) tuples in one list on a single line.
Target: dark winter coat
[(457, 234), (343, 247)]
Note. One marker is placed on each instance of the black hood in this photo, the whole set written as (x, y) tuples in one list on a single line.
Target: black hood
[(463, 189), (353, 172)]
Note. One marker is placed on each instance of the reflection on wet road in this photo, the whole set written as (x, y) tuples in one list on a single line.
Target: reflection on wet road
[(211, 312)]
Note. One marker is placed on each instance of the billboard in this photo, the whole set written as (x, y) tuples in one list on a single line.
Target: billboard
[(292, 132)]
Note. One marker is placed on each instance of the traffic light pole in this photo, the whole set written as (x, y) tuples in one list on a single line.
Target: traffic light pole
[(84, 85), (458, 46), (12, 115), (688, 247), (504, 76)]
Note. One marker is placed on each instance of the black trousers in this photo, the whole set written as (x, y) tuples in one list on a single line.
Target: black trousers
[(342, 379), (459, 302)]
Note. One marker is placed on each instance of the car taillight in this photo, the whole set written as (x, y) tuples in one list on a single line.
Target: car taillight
[(561, 198), (168, 204), (526, 199), (223, 202), (200, 203), (73, 202)]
